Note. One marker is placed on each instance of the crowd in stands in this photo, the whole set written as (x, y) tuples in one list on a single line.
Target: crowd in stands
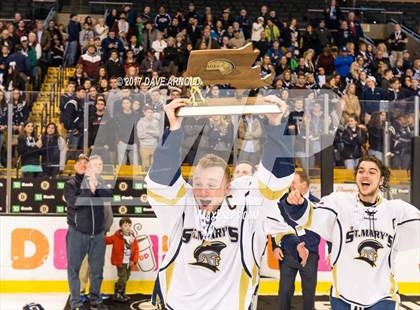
[(330, 55)]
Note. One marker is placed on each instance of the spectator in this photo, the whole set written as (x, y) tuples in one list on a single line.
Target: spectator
[(352, 104), (100, 144), (326, 61), (245, 23), (21, 30), (170, 58), (43, 36), (85, 235), (394, 93), (355, 28), (209, 42), (112, 19), (148, 132), (101, 29), (53, 151), (125, 133), (149, 35), (150, 64), (243, 168), (220, 136), (85, 35), (226, 18), (130, 62), (57, 51), (376, 134), (111, 43), (125, 255), (32, 49), (401, 136), (354, 137), (91, 62), (73, 30), (159, 45), (386, 79), (272, 32), (309, 40), (275, 53), (113, 66), (193, 31), (343, 62), (29, 151), (121, 26), (371, 98), (79, 76), (18, 62), (397, 43), (249, 135), (21, 109), (333, 15), (72, 117), (344, 35), (291, 36), (7, 40), (289, 264), (162, 20), (69, 94), (257, 29)]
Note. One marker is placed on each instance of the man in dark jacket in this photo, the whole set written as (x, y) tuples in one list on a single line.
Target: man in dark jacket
[(85, 195), (113, 66), (289, 263), (72, 117), (73, 30), (371, 98)]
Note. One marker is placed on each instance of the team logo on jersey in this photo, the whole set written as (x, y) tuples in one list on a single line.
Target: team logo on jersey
[(207, 254), (368, 251)]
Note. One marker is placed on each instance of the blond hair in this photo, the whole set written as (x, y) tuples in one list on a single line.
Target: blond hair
[(212, 160)]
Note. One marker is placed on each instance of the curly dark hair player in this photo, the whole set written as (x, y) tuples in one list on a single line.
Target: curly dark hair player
[(366, 231)]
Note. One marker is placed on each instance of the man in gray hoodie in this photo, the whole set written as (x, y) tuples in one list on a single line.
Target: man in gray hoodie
[(148, 132)]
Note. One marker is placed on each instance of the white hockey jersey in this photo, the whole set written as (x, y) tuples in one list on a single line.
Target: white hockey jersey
[(365, 241), (221, 272)]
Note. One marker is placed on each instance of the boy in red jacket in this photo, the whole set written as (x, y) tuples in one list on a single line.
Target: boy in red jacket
[(125, 254)]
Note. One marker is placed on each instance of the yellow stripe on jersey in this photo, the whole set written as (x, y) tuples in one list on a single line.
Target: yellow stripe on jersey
[(254, 274), (279, 237), (270, 194), (168, 275), (167, 201), (393, 288), (243, 289), (334, 274)]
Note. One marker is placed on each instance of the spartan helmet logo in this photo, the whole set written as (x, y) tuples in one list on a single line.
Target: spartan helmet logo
[(208, 254), (368, 251)]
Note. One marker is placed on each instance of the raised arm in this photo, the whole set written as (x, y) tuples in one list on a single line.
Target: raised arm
[(166, 189)]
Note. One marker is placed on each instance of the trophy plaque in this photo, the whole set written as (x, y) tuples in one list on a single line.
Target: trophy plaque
[(227, 66)]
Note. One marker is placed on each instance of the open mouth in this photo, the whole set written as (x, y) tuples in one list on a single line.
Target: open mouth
[(365, 185), (204, 202)]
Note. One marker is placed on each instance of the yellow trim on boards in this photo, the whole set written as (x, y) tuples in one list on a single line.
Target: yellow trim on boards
[(267, 287)]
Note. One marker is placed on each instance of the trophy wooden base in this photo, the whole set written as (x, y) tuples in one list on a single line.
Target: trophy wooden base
[(230, 106)]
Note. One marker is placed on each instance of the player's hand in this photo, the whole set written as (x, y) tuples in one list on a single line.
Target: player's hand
[(295, 198), (170, 110), (303, 253), (278, 254), (275, 118)]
